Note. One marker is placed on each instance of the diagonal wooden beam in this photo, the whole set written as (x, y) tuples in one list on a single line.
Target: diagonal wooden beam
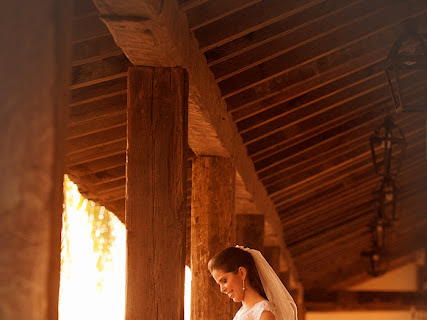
[(156, 33)]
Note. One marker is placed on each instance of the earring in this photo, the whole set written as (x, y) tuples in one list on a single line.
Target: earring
[(243, 284)]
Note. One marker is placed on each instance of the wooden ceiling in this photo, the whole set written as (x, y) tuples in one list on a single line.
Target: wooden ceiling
[(304, 83)]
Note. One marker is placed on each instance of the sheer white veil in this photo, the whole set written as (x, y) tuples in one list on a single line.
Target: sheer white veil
[(273, 287)]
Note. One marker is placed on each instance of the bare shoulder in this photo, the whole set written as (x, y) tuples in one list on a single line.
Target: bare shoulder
[(267, 315)]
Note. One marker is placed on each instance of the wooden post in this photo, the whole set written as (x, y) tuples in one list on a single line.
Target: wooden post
[(155, 192), (300, 303), (285, 278), (272, 255), (250, 231), (35, 73), (212, 229)]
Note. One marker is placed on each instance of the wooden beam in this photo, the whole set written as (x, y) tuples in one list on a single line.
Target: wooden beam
[(336, 253), (335, 110), (95, 139), (97, 152), (311, 51), (361, 94), (308, 77), (309, 176), (244, 203), (292, 39), (347, 174), (99, 90), (323, 157), (98, 165), (156, 192), (365, 114), (311, 74), (35, 73), (156, 33), (106, 107), (315, 237), (96, 125), (248, 20), (189, 4), (274, 30), (325, 92), (94, 50), (209, 11), (368, 300), (99, 71), (101, 177)]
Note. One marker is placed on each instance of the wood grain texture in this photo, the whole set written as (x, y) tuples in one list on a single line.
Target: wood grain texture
[(212, 230), (304, 84), (272, 255), (156, 192), (156, 33)]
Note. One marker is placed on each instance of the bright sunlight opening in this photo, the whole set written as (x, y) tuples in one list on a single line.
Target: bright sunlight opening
[(93, 261)]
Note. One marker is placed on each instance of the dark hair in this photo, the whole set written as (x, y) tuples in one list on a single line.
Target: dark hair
[(230, 259)]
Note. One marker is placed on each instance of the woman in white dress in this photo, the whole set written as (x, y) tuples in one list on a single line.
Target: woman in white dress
[(245, 276)]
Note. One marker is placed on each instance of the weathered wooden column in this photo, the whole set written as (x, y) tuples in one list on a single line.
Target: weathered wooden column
[(212, 229), (250, 234), (250, 231), (35, 68), (155, 192), (272, 255), (299, 300), (296, 290)]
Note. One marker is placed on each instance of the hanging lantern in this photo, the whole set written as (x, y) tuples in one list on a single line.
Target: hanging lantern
[(406, 65), (388, 195), (378, 261), (379, 233), (388, 145), (378, 256)]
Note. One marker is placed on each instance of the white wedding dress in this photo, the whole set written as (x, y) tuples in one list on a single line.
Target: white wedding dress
[(255, 312)]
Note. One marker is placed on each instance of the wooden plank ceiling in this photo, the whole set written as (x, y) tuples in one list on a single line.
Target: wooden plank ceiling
[(304, 83)]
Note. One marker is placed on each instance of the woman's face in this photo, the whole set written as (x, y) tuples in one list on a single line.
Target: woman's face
[(230, 283)]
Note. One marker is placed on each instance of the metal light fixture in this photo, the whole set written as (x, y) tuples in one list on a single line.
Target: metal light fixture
[(407, 61), (388, 195), (379, 233), (388, 146), (378, 256)]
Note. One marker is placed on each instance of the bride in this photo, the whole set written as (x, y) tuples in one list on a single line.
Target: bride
[(245, 276)]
